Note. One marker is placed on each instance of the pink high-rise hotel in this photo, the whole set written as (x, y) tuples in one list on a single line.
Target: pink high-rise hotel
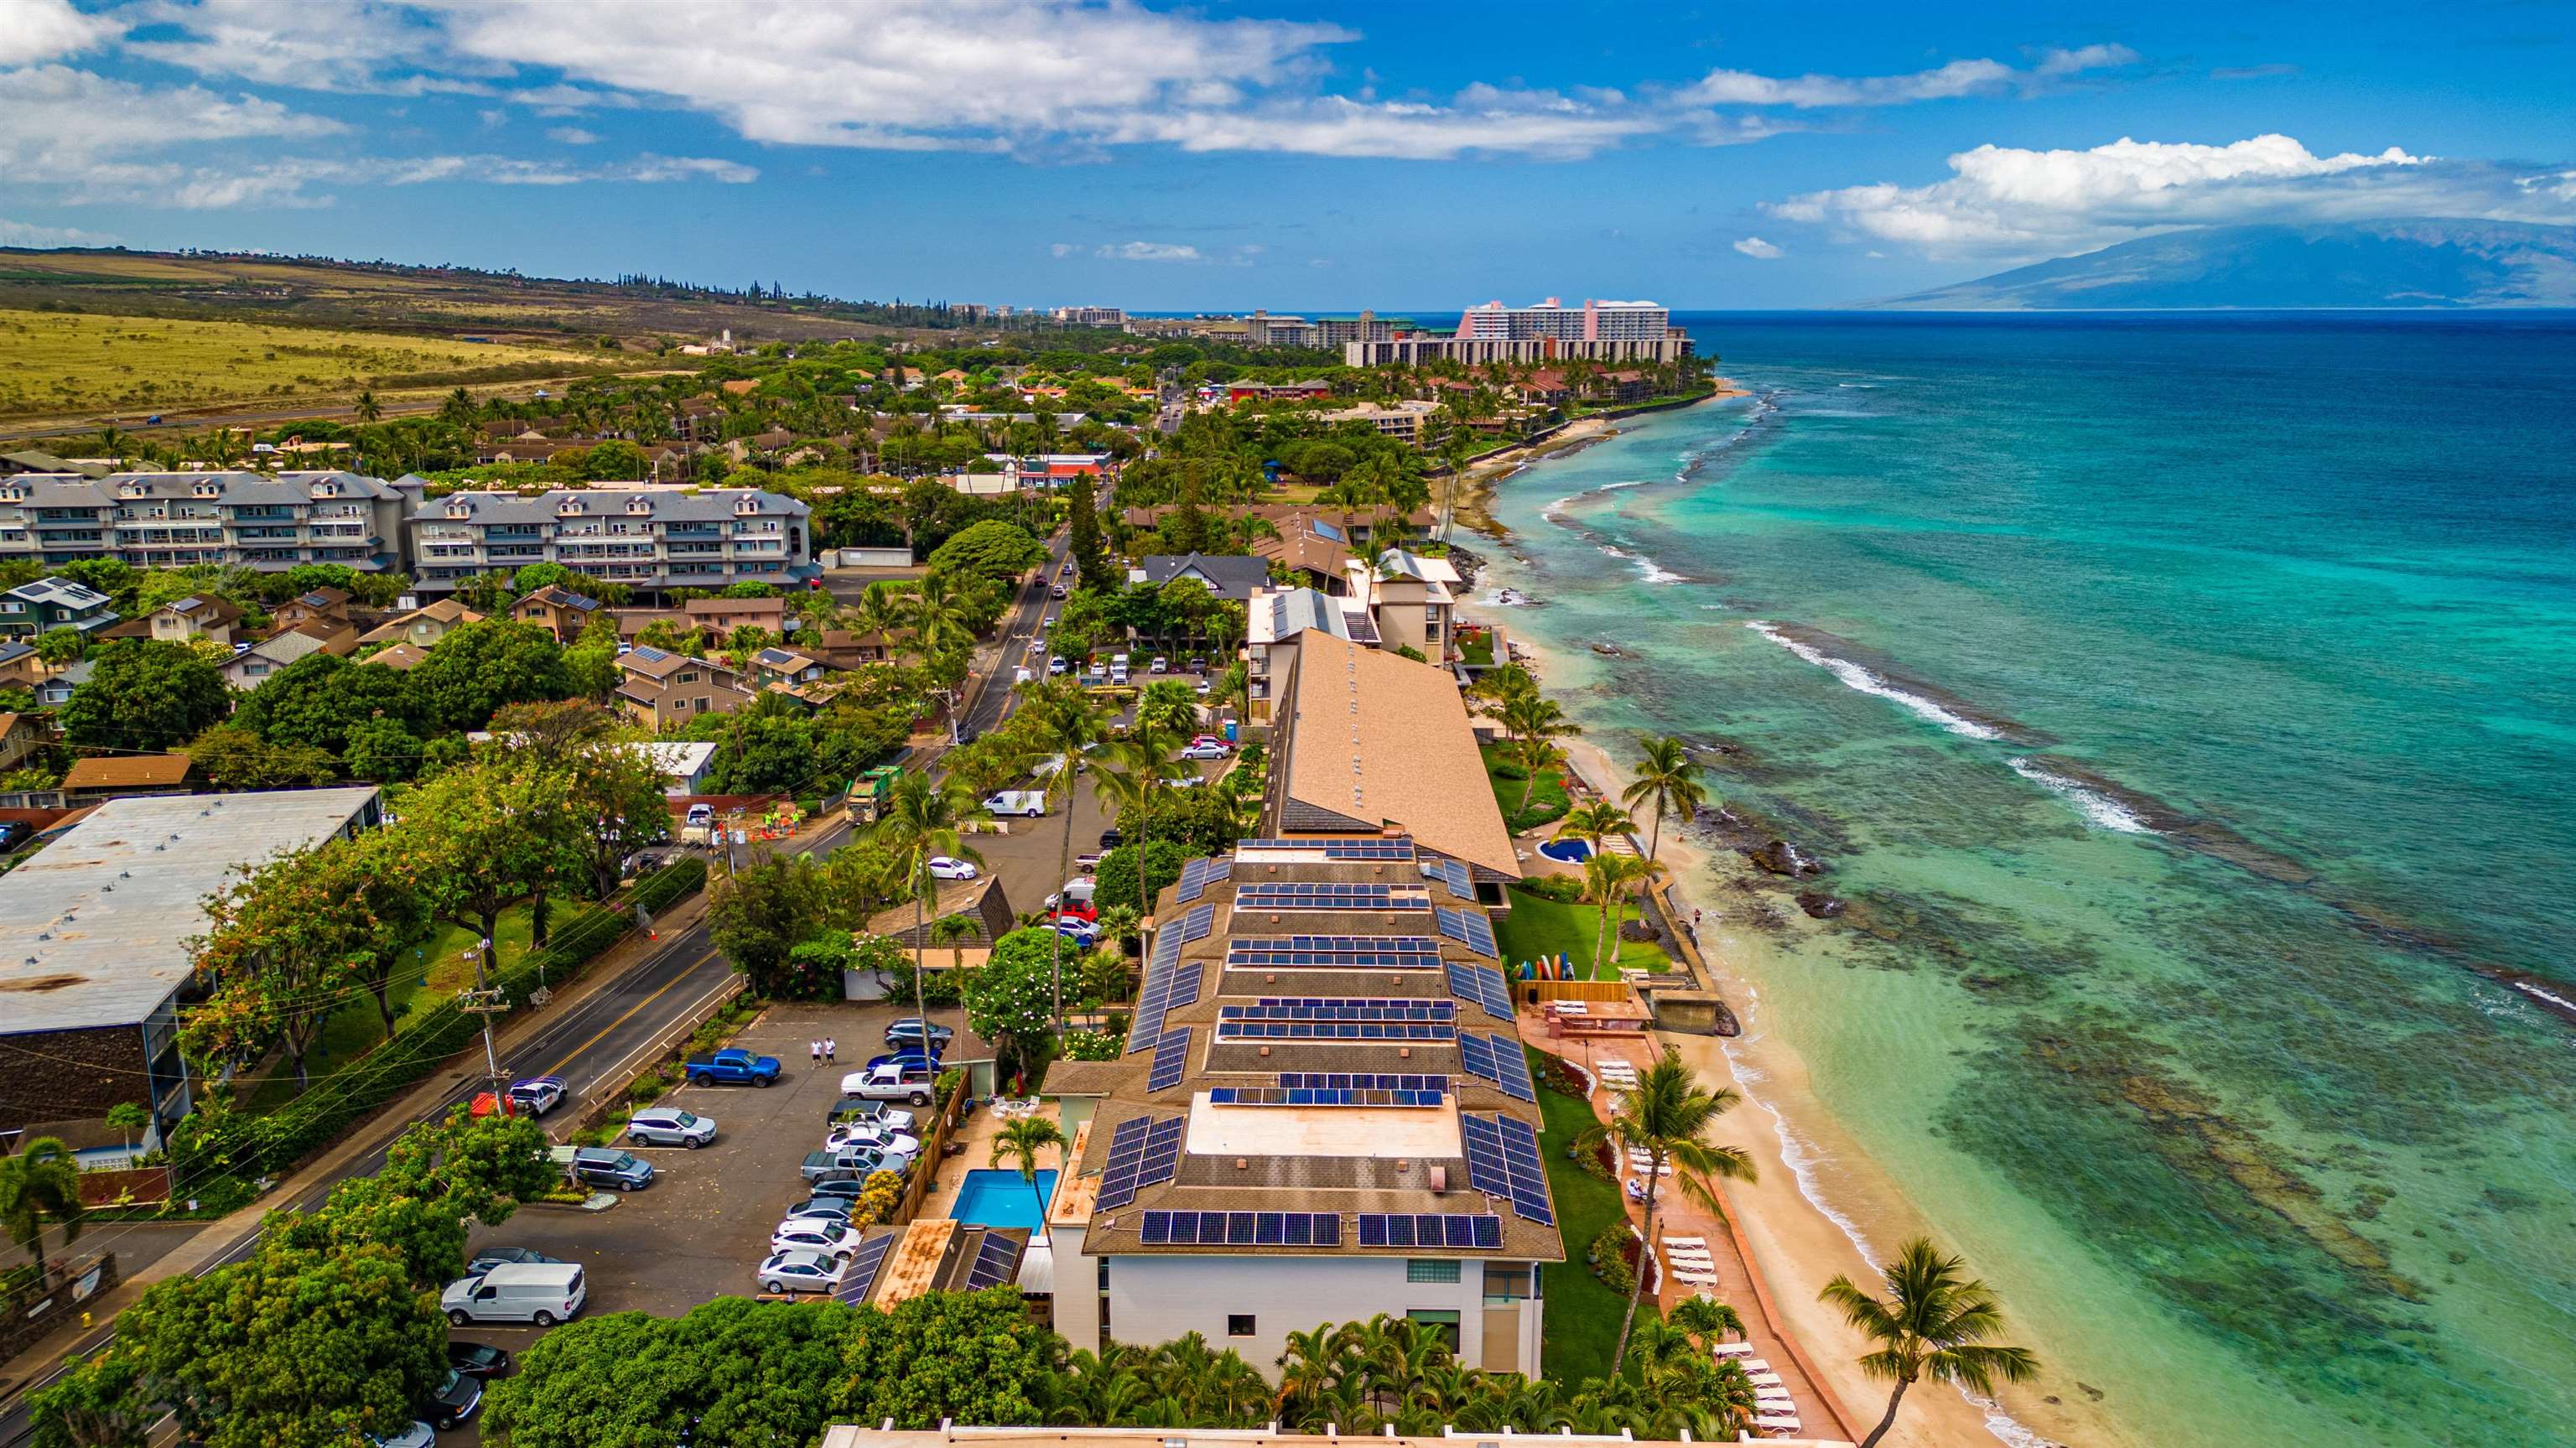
[(1549, 332), (1592, 322)]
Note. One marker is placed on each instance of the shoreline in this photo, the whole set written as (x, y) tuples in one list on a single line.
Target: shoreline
[(1820, 1207), (1476, 489)]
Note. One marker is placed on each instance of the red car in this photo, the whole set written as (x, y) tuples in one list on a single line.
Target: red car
[(1082, 910)]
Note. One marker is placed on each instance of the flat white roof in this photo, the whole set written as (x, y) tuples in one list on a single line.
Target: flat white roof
[(675, 757), (1415, 1132), (94, 929)]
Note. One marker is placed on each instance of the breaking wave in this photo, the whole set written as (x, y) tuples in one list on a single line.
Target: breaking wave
[(1856, 677)]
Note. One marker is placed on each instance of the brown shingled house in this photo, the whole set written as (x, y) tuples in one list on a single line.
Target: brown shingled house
[(104, 777)]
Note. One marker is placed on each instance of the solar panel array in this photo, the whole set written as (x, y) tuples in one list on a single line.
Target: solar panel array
[(1320, 895), (1397, 1032), (1484, 985), (997, 1263), (1166, 985), (1143, 1151), (1363, 1081), (1351, 847), (863, 1268), (1193, 927), (1503, 1161), (1243, 1229), (1468, 928), (1452, 874), (1171, 1057), (1333, 952), (1340, 1008), (1197, 875), (1457, 1230), (1322, 1096), (1498, 1059)]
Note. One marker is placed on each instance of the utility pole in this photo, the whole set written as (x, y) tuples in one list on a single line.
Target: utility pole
[(485, 1001)]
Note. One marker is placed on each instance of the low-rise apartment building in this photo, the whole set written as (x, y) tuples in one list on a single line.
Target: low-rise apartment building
[(648, 539), (51, 603), (1404, 421), (164, 520), (1412, 600)]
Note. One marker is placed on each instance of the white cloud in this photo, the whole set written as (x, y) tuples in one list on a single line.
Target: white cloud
[(1148, 251), (2005, 200), (1759, 250), (1063, 248), (1948, 82), (573, 136), (39, 30), (101, 139), (23, 233)]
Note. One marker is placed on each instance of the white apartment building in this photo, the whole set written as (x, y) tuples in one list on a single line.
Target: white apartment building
[(1404, 421), (247, 519), (646, 538), (1419, 347), (1594, 321)]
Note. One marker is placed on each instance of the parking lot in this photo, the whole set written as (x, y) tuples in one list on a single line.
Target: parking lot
[(1026, 858), (701, 1229)]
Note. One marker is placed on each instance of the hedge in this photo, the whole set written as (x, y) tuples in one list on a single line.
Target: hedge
[(217, 1145)]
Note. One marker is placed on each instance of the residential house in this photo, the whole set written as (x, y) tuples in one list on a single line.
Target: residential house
[(253, 666), (20, 736), (56, 689), (683, 764), (100, 777), (183, 620), (1312, 552), (329, 604), (980, 901), (20, 668), (659, 689), (1411, 598), (51, 603), (845, 649), (558, 610), (1227, 575), (405, 656), (792, 672), (422, 627), (650, 538)]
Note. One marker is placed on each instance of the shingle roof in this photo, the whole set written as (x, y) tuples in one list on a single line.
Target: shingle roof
[(705, 506), (1379, 739), (128, 771), (1229, 575)]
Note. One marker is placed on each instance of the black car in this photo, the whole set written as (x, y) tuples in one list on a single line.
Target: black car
[(491, 1257), (477, 1359), (845, 1188), (455, 1401), (1110, 839), (835, 1208)]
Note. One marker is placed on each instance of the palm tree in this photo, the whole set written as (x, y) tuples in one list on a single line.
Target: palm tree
[(1706, 1319), (1606, 881), (1594, 823), (1932, 1324), (881, 610), (1065, 725), (1667, 1116), (922, 820), (954, 931), (1130, 787), (40, 1186), (1019, 1144), (1535, 723), (370, 410), (1667, 777)]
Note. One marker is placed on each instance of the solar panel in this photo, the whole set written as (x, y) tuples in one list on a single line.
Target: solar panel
[(1195, 926), (1453, 1231), (1484, 985), (1166, 985), (1333, 952), (1498, 1059), (1503, 1161), (1364, 1081), (1142, 1152), (863, 1268), (1452, 874), (1394, 1032), (1242, 1229), (1467, 928), (1340, 1008), (1343, 847), (1321, 895), (997, 1263), (1171, 1058), (1197, 875), (1323, 1096)]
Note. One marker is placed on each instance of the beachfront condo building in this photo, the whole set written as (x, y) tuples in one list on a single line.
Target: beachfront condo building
[(1592, 322)]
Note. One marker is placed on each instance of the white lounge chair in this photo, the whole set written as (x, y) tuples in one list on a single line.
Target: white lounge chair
[(1765, 1380), (1776, 1422), (1732, 1350), (1754, 1365), (1695, 1279)]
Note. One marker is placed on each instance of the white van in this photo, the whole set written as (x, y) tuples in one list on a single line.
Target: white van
[(1118, 669), (544, 1293), (1026, 803), (1021, 676)]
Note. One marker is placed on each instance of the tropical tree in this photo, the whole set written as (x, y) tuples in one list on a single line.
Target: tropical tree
[(1670, 780), (1706, 1319), (1594, 823), (1668, 1116), (1607, 879), (1535, 723), (40, 1187), (1066, 725), (1934, 1322), (1131, 786), (128, 1117), (1018, 1144), (369, 409), (919, 822)]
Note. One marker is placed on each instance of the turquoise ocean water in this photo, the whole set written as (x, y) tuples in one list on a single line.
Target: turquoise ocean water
[(2187, 709)]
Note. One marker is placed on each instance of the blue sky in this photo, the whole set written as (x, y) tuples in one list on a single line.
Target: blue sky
[(1314, 157)]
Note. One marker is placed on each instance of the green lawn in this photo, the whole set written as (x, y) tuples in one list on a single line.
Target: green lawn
[(1539, 927), (1582, 1316), (1546, 798), (356, 1028), (1477, 649)]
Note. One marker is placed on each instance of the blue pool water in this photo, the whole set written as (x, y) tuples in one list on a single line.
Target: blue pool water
[(996, 1198), (1571, 852)]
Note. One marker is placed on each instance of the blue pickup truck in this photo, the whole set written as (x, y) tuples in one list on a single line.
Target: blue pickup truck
[(732, 1067)]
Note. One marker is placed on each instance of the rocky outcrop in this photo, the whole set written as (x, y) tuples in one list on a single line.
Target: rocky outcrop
[(1782, 858), (1819, 904)]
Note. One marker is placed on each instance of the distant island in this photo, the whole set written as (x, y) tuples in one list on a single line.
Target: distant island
[(2426, 262)]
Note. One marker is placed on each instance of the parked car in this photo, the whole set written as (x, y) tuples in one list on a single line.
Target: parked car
[(418, 1435), (542, 1293), (1080, 912), (1088, 860), (732, 1066), (1081, 932), (852, 1161), (491, 1257), (606, 1166), (942, 867), (908, 1081), (1023, 803), (800, 1234), (1059, 665), (1158, 666), (801, 1272), (839, 1189), (908, 1056), (1211, 749), (860, 1108), (910, 1030), (536, 1095), (1079, 889), (478, 1359), (869, 1134), (1110, 839), (454, 1401), (821, 1209), (668, 1126)]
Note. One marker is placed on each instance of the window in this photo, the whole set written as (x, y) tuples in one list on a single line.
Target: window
[(1507, 1284), (1440, 1324), (1239, 1324), (1431, 1269)]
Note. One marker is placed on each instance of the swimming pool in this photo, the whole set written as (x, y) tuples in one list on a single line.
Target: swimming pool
[(1571, 852), (998, 1198)]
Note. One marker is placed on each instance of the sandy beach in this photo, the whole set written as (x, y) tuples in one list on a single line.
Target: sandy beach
[(1476, 495), (1818, 1199)]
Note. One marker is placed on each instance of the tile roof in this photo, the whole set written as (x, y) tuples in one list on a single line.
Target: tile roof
[(128, 771)]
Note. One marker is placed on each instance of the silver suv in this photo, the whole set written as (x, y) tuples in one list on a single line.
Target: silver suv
[(669, 1126)]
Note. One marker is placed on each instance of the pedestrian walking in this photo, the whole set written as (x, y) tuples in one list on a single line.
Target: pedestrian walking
[(831, 1047), (816, 1047)]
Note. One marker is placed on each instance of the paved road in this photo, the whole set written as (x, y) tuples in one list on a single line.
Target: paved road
[(1026, 624)]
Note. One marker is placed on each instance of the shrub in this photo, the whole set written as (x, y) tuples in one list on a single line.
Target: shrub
[(1506, 769), (1609, 1256), (1092, 1046), (1560, 889)]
